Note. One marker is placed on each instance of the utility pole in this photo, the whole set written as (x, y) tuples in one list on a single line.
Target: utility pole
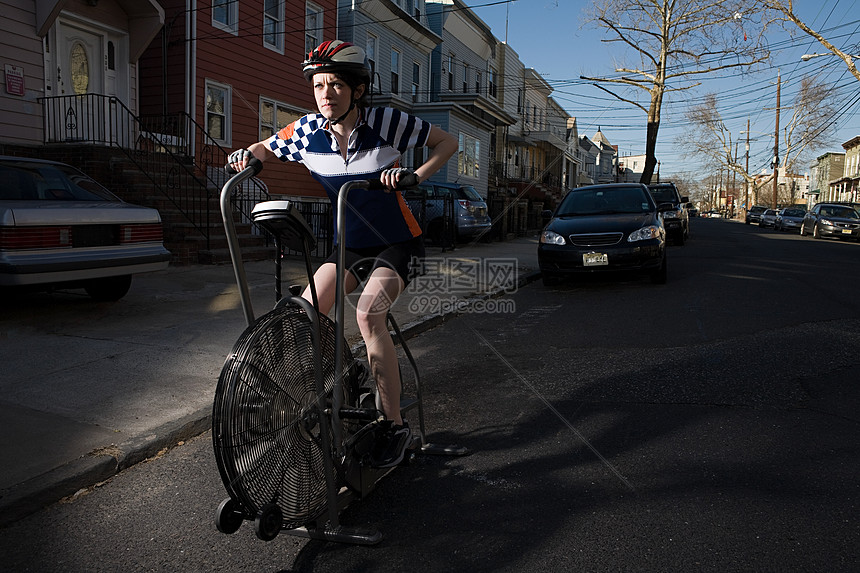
[(747, 169), (776, 146), (734, 180)]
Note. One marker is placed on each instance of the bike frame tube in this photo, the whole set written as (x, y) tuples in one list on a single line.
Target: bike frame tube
[(253, 168), (338, 309)]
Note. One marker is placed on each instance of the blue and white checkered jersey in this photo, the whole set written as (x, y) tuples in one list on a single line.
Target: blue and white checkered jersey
[(381, 136)]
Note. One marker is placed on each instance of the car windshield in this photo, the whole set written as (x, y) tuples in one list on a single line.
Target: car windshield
[(600, 201), (33, 181), (837, 211), (757, 210), (793, 213)]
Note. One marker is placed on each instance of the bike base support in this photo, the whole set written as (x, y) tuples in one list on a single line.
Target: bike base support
[(444, 450), (340, 534)]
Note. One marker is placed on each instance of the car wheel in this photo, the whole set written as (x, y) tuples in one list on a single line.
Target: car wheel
[(659, 276), (815, 232), (108, 289)]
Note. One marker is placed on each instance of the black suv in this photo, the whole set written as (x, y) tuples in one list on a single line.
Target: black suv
[(675, 220), (754, 214)]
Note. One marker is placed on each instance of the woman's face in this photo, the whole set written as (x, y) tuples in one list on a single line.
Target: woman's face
[(333, 95)]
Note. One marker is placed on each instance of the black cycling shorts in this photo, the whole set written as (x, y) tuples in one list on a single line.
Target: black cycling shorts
[(404, 258)]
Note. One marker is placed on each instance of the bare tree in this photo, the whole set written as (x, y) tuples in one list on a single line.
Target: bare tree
[(806, 128), (676, 41), (784, 11)]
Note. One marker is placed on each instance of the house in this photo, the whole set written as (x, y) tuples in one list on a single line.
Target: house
[(826, 167), (71, 70), (847, 187), (606, 165), (630, 168), (589, 152)]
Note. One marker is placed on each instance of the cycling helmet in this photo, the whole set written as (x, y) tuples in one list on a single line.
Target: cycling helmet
[(336, 56)]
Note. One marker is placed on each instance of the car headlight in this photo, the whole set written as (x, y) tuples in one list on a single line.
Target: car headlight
[(645, 233), (671, 215), (827, 222), (551, 238)]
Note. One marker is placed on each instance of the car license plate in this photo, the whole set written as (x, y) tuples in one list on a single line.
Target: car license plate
[(846, 231), (595, 259)]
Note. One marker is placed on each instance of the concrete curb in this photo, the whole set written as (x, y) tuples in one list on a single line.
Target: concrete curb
[(88, 471)]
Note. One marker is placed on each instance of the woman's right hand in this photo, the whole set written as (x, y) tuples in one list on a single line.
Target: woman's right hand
[(238, 160)]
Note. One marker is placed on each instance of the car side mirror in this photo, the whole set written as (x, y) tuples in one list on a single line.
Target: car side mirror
[(685, 199), (665, 207)]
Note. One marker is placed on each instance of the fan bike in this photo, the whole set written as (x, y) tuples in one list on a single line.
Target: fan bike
[(295, 415)]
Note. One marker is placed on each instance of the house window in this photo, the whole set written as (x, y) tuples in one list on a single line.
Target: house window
[(313, 26), (468, 156), (370, 53), (274, 115), (218, 112), (395, 72), (111, 56), (225, 15), (465, 78), (416, 80), (477, 82), (450, 70), (491, 82), (273, 24)]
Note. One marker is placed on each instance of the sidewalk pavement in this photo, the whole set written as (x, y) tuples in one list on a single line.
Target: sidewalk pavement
[(89, 389)]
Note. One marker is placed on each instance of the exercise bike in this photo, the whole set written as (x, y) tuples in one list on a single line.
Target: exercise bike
[(296, 416)]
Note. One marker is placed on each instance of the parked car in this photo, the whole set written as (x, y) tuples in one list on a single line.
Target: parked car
[(768, 218), (754, 214), (464, 207), (692, 211), (832, 220), (676, 220), (600, 228), (789, 219), (61, 229)]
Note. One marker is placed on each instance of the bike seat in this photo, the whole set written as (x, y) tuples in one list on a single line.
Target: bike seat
[(284, 220)]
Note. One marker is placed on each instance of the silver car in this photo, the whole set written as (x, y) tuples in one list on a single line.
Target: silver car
[(768, 218), (61, 229), (789, 219)]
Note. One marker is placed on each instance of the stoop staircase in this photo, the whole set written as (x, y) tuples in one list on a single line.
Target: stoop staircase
[(193, 229)]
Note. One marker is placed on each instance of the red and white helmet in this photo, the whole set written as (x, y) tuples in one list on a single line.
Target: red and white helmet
[(336, 56)]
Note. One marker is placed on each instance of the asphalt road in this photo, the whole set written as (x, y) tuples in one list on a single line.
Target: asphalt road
[(710, 424)]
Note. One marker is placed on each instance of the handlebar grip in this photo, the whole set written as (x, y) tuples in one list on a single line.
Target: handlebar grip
[(253, 163), (406, 182)]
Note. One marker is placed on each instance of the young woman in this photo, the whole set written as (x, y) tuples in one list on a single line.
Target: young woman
[(347, 140)]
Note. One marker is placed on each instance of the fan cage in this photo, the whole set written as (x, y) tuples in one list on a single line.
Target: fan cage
[(266, 426)]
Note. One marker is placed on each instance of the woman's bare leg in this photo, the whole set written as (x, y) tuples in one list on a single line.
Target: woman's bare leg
[(380, 290)]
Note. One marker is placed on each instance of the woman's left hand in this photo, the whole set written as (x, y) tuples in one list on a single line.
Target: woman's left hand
[(390, 178)]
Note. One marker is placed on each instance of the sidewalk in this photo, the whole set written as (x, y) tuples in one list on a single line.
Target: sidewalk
[(99, 387)]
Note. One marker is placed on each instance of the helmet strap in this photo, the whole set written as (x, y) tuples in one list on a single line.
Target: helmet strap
[(343, 117)]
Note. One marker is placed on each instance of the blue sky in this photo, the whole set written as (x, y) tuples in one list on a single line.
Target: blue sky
[(551, 37)]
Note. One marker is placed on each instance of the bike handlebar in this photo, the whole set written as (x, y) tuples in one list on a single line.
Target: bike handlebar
[(253, 163), (406, 182)]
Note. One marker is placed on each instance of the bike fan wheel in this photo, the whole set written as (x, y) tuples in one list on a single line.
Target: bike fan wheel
[(266, 416)]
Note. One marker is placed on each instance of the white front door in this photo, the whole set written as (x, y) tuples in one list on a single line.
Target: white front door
[(79, 59)]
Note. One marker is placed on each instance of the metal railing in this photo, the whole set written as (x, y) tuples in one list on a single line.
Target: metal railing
[(174, 152)]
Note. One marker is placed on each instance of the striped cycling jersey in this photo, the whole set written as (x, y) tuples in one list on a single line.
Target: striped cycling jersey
[(380, 137)]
